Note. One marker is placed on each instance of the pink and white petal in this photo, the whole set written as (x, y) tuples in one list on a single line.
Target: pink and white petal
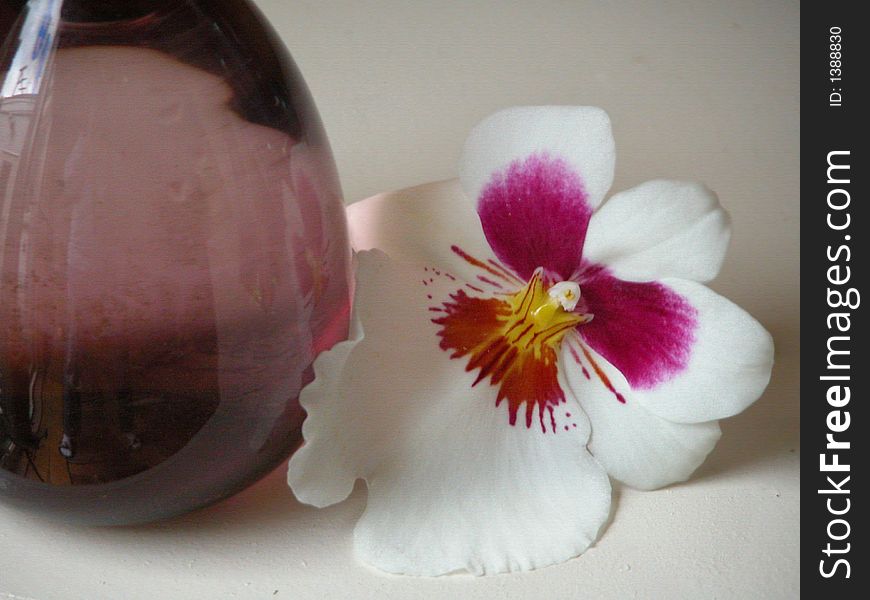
[(580, 135), (644, 329), (452, 485), (535, 174), (634, 445), (432, 225), (660, 229), (728, 365)]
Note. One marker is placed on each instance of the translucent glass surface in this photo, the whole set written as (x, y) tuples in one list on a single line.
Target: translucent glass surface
[(173, 254)]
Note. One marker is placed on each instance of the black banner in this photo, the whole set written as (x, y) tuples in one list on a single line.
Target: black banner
[(834, 260)]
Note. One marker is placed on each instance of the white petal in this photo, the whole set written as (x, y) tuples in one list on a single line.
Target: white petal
[(495, 499), (318, 477), (660, 229), (421, 225), (452, 485), (634, 445), (580, 135), (729, 365)]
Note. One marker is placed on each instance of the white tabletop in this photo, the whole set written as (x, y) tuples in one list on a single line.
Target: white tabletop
[(704, 90)]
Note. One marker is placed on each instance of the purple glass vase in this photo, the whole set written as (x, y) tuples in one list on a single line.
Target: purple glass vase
[(173, 254)]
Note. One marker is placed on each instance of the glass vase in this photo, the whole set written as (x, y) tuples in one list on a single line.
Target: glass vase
[(173, 254)]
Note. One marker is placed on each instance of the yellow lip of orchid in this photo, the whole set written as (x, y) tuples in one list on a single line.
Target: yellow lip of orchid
[(541, 315)]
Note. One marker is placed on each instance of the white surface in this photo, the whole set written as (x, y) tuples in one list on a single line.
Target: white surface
[(696, 90)]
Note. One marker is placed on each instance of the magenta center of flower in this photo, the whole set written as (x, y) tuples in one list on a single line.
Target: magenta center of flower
[(535, 213), (512, 333), (511, 322)]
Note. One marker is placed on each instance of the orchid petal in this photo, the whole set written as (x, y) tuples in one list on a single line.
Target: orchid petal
[(660, 229), (535, 174), (633, 444), (644, 329), (728, 366), (452, 484), (318, 476), (431, 224)]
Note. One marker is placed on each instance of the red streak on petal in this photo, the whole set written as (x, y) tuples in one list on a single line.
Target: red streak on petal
[(504, 271), (576, 357), (489, 281), (579, 362), (550, 332), (477, 262), (602, 376), (473, 287)]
